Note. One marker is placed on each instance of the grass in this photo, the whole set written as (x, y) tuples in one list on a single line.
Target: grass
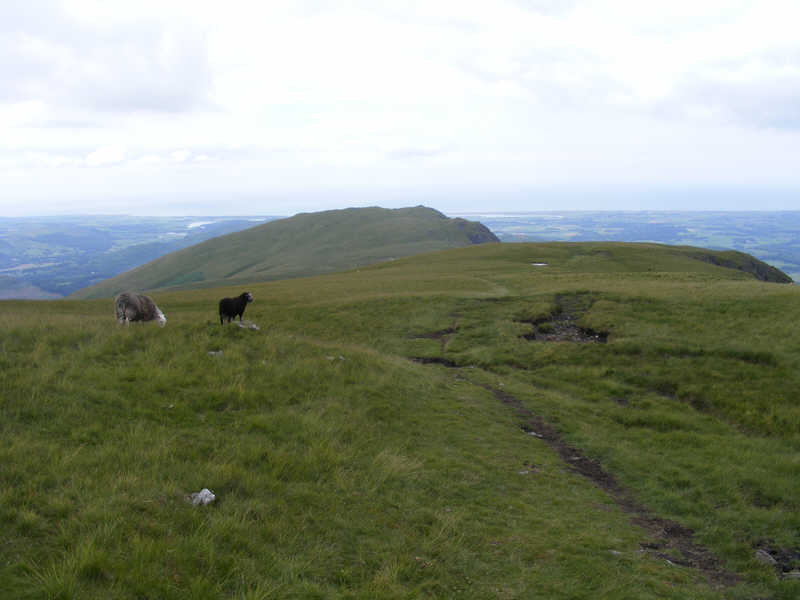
[(303, 245), (344, 469)]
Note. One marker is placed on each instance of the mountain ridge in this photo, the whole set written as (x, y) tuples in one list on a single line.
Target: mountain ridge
[(303, 245)]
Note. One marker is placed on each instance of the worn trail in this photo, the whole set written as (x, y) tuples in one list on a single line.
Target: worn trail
[(669, 540)]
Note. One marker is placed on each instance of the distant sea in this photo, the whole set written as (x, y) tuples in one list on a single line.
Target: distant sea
[(773, 237)]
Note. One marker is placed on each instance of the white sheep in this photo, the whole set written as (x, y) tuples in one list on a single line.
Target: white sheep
[(131, 306)]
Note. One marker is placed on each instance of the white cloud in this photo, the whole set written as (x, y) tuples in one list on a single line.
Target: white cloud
[(20, 114), (108, 155), (179, 156), (299, 99), (148, 159)]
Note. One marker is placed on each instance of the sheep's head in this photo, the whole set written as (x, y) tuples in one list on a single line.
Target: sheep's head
[(248, 296), (162, 320)]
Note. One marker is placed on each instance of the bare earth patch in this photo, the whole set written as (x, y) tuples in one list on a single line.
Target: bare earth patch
[(670, 541), (561, 325)]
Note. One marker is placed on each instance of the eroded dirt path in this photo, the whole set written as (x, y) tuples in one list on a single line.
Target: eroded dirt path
[(669, 540)]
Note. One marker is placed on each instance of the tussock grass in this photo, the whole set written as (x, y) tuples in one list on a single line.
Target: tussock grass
[(343, 469)]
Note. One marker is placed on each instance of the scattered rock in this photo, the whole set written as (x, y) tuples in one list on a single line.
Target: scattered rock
[(247, 325), (765, 557), (201, 498), (784, 559), (215, 352), (792, 575), (529, 468)]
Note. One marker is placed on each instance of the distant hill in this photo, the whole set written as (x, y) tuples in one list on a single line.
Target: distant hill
[(51, 257), (303, 245)]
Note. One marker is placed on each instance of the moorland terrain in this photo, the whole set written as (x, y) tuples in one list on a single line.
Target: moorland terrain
[(533, 420), (770, 236)]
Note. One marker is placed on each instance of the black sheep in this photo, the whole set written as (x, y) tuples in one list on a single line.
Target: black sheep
[(230, 308)]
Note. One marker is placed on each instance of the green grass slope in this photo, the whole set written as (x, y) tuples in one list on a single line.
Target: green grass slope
[(306, 244), (441, 426)]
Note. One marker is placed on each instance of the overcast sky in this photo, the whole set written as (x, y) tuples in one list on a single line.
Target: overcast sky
[(269, 107)]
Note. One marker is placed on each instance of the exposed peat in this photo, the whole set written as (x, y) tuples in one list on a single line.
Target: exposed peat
[(562, 324)]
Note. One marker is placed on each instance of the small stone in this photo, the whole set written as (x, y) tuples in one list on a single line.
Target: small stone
[(765, 557), (201, 498), (792, 575), (215, 353), (615, 552)]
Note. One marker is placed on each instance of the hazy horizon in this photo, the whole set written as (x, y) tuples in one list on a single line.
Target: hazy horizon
[(450, 213)]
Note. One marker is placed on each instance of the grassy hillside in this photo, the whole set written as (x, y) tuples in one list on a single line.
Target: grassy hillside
[(620, 423), (306, 244)]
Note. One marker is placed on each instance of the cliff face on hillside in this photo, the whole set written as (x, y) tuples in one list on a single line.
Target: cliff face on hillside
[(476, 232), (740, 261)]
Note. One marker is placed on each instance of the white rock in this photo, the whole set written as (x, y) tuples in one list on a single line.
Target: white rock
[(763, 556), (201, 498), (792, 575)]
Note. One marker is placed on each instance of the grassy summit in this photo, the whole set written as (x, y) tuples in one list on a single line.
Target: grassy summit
[(498, 421), (306, 244)]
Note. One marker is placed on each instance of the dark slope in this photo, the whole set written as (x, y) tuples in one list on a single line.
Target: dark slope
[(733, 259)]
